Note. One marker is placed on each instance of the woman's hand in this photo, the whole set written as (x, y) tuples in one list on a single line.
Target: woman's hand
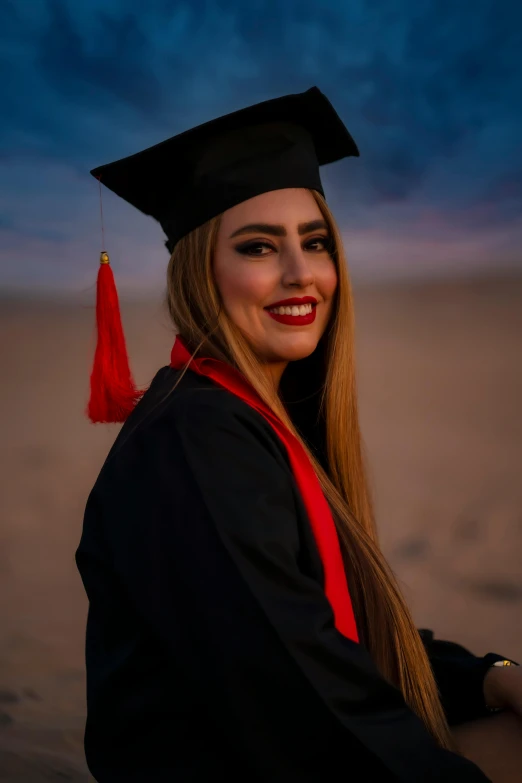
[(503, 688)]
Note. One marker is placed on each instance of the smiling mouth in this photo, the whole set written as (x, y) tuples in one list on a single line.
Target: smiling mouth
[(293, 315), (295, 310)]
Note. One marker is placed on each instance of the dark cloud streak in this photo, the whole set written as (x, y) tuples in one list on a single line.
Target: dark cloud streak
[(117, 65)]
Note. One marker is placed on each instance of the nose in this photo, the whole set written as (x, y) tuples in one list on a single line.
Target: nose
[(297, 270)]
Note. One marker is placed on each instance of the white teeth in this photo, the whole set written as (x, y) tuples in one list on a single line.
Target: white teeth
[(305, 309)]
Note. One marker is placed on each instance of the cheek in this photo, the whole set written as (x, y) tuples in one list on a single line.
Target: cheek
[(243, 284), (327, 280)]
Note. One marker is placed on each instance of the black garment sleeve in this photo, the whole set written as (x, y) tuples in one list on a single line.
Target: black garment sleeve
[(460, 677), (209, 512)]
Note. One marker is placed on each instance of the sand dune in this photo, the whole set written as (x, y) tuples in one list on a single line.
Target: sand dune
[(440, 386)]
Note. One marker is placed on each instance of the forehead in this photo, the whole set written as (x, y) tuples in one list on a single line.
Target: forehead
[(287, 206)]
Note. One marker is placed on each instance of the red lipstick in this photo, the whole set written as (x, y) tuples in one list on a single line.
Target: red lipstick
[(294, 300), (294, 320)]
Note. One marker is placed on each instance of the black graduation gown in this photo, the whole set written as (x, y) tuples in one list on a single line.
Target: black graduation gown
[(211, 652)]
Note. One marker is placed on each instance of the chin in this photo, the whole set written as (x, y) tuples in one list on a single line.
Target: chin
[(293, 350)]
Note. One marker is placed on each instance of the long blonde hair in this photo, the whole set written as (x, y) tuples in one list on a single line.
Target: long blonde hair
[(384, 621)]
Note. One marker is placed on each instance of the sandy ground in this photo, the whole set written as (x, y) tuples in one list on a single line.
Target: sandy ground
[(440, 385)]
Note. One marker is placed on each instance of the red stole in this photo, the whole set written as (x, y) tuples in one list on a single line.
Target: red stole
[(318, 510)]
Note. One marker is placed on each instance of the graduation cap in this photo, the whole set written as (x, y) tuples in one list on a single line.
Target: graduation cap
[(190, 178)]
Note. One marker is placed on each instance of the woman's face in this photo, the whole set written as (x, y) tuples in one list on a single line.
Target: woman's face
[(273, 252)]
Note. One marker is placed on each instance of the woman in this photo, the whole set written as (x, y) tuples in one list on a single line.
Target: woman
[(243, 622)]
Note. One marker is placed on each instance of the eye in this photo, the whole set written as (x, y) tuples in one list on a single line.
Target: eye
[(320, 244), (253, 248)]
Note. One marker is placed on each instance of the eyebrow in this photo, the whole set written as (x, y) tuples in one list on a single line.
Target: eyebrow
[(277, 230)]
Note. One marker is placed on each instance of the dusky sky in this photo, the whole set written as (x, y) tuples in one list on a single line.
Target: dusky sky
[(431, 90)]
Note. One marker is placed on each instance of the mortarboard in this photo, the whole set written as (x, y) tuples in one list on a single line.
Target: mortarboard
[(194, 176)]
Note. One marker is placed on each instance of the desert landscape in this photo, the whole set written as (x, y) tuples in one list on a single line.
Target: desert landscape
[(440, 388)]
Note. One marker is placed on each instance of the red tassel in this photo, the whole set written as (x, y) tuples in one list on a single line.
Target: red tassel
[(113, 393)]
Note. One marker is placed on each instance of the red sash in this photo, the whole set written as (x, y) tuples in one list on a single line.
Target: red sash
[(318, 510)]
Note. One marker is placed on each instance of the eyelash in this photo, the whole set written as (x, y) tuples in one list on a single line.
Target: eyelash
[(244, 249)]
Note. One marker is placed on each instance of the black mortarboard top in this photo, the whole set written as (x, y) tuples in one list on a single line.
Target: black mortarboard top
[(194, 176)]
